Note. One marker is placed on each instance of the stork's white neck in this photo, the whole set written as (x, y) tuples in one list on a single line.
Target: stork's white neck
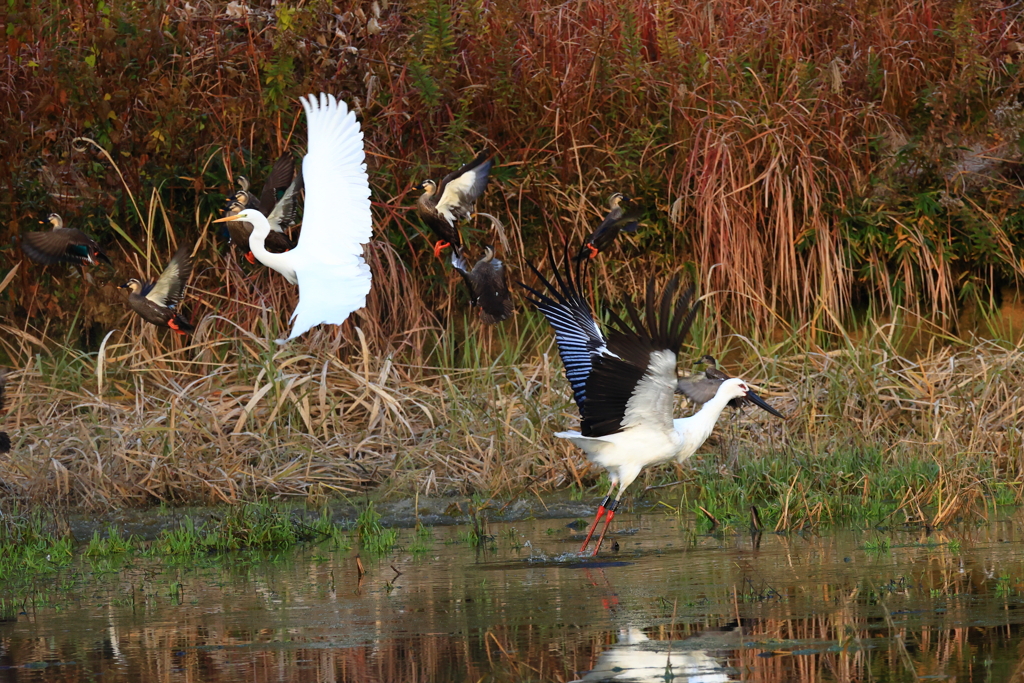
[(282, 263), (696, 429)]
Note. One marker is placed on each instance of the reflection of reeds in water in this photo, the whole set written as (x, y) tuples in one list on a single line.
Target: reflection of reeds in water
[(205, 651), (925, 609)]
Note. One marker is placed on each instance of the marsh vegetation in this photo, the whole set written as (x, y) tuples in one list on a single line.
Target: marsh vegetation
[(840, 182)]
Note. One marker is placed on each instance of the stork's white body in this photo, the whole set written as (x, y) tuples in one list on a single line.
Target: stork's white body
[(624, 454)]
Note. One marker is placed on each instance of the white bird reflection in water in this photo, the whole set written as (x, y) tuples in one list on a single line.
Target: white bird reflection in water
[(638, 659)]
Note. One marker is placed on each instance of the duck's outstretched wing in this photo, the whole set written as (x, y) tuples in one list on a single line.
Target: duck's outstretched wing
[(333, 276), (460, 189), (170, 286), (64, 245), (280, 177)]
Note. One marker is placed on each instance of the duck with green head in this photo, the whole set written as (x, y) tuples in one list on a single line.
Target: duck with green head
[(61, 245)]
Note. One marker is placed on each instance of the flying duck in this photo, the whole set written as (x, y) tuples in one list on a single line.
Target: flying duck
[(442, 206), (327, 263), (280, 177), (157, 302), (487, 286), (61, 245), (280, 212), (701, 387), (622, 217), (281, 216), (624, 383)]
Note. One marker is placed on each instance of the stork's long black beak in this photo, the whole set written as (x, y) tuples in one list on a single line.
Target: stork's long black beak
[(762, 404)]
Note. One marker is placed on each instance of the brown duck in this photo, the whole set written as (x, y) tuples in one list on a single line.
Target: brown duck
[(61, 245), (442, 206), (488, 288), (701, 387), (280, 213), (622, 217), (156, 302)]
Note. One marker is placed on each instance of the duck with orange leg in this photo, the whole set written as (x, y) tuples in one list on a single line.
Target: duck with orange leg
[(442, 206), (157, 302), (280, 212), (622, 216)]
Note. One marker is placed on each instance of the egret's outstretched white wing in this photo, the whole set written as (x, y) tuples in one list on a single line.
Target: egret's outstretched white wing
[(333, 277)]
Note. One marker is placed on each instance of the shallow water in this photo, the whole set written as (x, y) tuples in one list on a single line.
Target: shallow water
[(522, 608)]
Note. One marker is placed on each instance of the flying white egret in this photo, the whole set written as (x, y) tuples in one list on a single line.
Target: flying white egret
[(327, 264), (624, 385)]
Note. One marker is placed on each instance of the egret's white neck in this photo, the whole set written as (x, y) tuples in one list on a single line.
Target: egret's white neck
[(282, 263)]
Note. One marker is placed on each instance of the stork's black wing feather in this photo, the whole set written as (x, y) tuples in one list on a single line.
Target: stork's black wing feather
[(663, 329), (609, 389), (578, 337), (640, 364)]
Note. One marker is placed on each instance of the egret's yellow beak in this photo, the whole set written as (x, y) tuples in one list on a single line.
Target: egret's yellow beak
[(225, 219)]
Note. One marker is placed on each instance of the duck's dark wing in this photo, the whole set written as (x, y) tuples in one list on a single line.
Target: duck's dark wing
[(64, 245), (698, 387), (460, 189), (277, 243), (440, 226), (488, 282), (280, 177), (283, 214), (578, 337), (170, 286), (618, 220), (460, 264)]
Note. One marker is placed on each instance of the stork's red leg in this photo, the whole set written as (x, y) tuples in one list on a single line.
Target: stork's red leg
[(597, 518), (608, 520), (592, 248), (441, 244), (250, 258)]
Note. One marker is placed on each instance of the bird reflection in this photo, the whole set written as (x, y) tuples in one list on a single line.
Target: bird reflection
[(636, 658)]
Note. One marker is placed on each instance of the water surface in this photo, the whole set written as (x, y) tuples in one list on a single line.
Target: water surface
[(669, 605)]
